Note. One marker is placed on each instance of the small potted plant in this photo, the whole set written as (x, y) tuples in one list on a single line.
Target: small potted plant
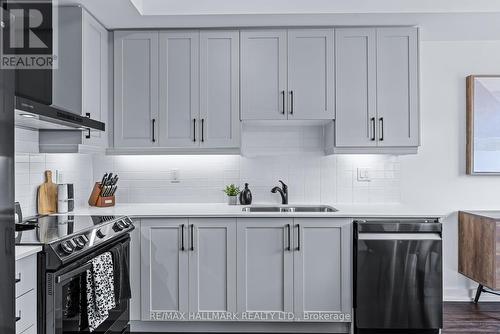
[(232, 192)]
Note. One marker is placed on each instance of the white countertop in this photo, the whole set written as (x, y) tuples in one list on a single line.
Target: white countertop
[(24, 251), (224, 210)]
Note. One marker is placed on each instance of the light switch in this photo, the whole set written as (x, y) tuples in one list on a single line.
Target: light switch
[(364, 175)]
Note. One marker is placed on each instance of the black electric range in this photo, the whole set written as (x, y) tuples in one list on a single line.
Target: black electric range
[(69, 243), (67, 237)]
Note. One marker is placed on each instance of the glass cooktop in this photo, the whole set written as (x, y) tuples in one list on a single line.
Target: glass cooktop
[(48, 229)]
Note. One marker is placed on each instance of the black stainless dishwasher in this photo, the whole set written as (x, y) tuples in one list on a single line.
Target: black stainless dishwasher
[(398, 276)]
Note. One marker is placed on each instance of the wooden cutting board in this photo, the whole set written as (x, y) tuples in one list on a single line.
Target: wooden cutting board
[(47, 195)]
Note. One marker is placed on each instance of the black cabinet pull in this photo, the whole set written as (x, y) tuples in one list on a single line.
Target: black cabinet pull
[(18, 318), (373, 128), (202, 130), (291, 102), (192, 237), (298, 237), (182, 237), (153, 121), (88, 129), (381, 119), (289, 247), (284, 102), (194, 129)]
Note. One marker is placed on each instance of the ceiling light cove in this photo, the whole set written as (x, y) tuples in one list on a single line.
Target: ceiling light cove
[(223, 7)]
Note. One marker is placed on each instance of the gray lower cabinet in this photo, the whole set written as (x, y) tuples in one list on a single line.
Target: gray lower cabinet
[(296, 269), (376, 97), (265, 265), (26, 294), (299, 267), (135, 89), (322, 269), (187, 266)]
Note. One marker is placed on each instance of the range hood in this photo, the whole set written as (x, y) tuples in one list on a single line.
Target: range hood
[(34, 115)]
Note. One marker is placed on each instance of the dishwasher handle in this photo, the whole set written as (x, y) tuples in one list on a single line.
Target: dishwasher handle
[(399, 236)]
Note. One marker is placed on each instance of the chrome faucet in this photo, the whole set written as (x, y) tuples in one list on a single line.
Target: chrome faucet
[(283, 192)]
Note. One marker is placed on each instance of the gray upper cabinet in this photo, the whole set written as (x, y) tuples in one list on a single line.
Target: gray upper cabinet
[(179, 88), (265, 265), (81, 82), (177, 91), (310, 74), (397, 86), (212, 265), (219, 89), (164, 267), (95, 76), (287, 74), (263, 74), (377, 107), (322, 267), (135, 89), (355, 87)]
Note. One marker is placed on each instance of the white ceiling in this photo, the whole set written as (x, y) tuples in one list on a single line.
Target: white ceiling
[(438, 19), (216, 7)]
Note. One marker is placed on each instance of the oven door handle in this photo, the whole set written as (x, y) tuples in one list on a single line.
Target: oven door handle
[(73, 273)]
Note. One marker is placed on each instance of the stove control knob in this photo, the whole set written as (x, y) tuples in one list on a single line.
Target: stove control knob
[(126, 223), (100, 234), (79, 242), (118, 226), (84, 238), (66, 247)]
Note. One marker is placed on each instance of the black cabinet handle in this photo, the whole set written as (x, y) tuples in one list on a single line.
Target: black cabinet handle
[(381, 120), (284, 102), (153, 129), (373, 128), (19, 317), (289, 247), (202, 130), (194, 129), (88, 130), (18, 280), (298, 237), (192, 237), (182, 237), (291, 102)]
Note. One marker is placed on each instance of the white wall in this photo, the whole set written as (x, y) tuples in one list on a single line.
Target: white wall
[(30, 167), (435, 178), (312, 178)]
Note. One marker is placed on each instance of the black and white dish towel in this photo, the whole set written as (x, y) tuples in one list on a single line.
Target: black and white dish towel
[(100, 290)]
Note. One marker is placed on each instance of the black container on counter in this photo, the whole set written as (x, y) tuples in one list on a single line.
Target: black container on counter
[(246, 196)]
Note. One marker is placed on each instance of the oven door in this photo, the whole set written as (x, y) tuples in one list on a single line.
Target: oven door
[(65, 310)]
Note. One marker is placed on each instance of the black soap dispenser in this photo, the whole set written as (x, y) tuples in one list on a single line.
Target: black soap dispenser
[(246, 196)]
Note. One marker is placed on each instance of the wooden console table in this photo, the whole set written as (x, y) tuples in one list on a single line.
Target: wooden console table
[(479, 249)]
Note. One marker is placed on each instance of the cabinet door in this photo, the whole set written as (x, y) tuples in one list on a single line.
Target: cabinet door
[(179, 88), (95, 73), (310, 74), (265, 265), (263, 74), (355, 87), (164, 269), (212, 265), (219, 89), (136, 89), (322, 268), (397, 86)]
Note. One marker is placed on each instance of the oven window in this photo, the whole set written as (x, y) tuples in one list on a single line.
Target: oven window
[(74, 308)]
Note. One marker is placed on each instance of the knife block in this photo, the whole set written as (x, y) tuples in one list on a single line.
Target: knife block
[(100, 201)]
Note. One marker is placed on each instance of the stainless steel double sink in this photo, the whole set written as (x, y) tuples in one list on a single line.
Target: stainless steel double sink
[(291, 208)]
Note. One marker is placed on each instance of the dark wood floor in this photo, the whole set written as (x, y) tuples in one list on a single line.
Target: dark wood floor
[(471, 318)]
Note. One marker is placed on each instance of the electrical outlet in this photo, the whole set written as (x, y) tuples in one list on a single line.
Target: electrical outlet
[(364, 175), (175, 176)]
